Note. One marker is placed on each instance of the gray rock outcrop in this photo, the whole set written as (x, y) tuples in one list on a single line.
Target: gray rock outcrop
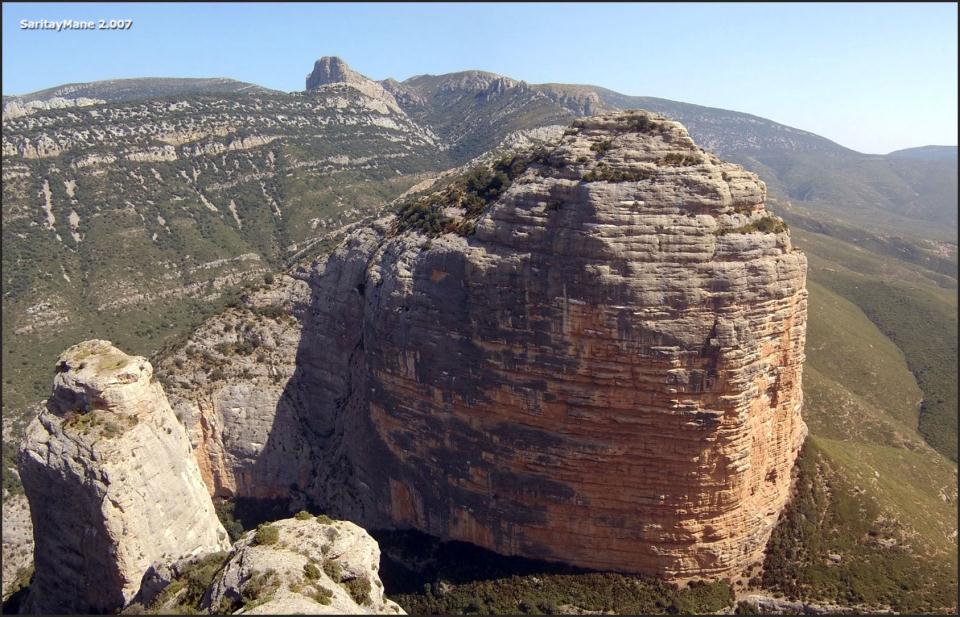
[(112, 484), (17, 542), (332, 71), (304, 565)]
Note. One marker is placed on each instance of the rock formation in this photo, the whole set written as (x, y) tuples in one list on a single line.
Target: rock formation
[(17, 543), (600, 366), (330, 70), (305, 565), (112, 484), (242, 448)]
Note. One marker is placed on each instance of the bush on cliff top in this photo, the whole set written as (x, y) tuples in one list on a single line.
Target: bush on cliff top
[(266, 535), (472, 191), (359, 589), (766, 225)]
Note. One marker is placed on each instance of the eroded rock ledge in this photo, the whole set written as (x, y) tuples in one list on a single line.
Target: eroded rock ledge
[(602, 366)]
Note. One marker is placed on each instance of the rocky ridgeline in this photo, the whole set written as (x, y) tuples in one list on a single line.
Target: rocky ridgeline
[(17, 109), (591, 356), (199, 193), (121, 514)]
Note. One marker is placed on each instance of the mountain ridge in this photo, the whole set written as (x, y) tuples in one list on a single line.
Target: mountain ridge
[(196, 84)]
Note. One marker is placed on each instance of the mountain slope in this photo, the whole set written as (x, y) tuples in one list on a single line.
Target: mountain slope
[(939, 153), (141, 88), (135, 218)]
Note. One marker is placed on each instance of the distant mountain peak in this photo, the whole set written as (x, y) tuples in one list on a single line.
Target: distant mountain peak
[(332, 70)]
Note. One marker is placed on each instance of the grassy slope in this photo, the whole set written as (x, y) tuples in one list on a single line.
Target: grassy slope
[(917, 314), (871, 491)]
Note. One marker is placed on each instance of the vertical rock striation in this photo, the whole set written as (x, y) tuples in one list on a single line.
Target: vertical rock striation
[(606, 373), (601, 366), (112, 484)]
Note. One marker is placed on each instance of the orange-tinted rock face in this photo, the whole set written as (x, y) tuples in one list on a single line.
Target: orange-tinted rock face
[(607, 373)]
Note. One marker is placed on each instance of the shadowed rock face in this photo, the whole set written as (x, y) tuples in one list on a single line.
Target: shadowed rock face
[(607, 373), (331, 70), (112, 484)]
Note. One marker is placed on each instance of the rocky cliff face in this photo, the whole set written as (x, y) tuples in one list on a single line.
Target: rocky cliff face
[(601, 366), (112, 484), (331, 70)]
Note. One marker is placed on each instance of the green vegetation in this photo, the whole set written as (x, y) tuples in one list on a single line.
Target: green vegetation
[(224, 509), (914, 307), (565, 593), (834, 544), (17, 591), (458, 578), (678, 159), (104, 423), (146, 237), (256, 591), (603, 172), (323, 518), (602, 147), (861, 404), (321, 594), (472, 191), (359, 589), (639, 122), (926, 330), (765, 225), (11, 483), (333, 570), (303, 515), (266, 535), (311, 571), (185, 593)]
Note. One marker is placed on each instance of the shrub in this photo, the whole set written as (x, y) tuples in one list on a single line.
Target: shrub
[(767, 225), (321, 594), (323, 518), (188, 589), (359, 589), (224, 510), (678, 159), (603, 172), (333, 570), (266, 534), (259, 588), (311, 571), (602, 147), (639, 123), (303, 515), (473, 192)]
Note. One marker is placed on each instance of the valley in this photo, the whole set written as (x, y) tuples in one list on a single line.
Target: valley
[(175, 218)]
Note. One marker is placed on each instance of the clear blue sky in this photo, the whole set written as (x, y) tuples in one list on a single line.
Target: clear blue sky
[(873, 77)]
